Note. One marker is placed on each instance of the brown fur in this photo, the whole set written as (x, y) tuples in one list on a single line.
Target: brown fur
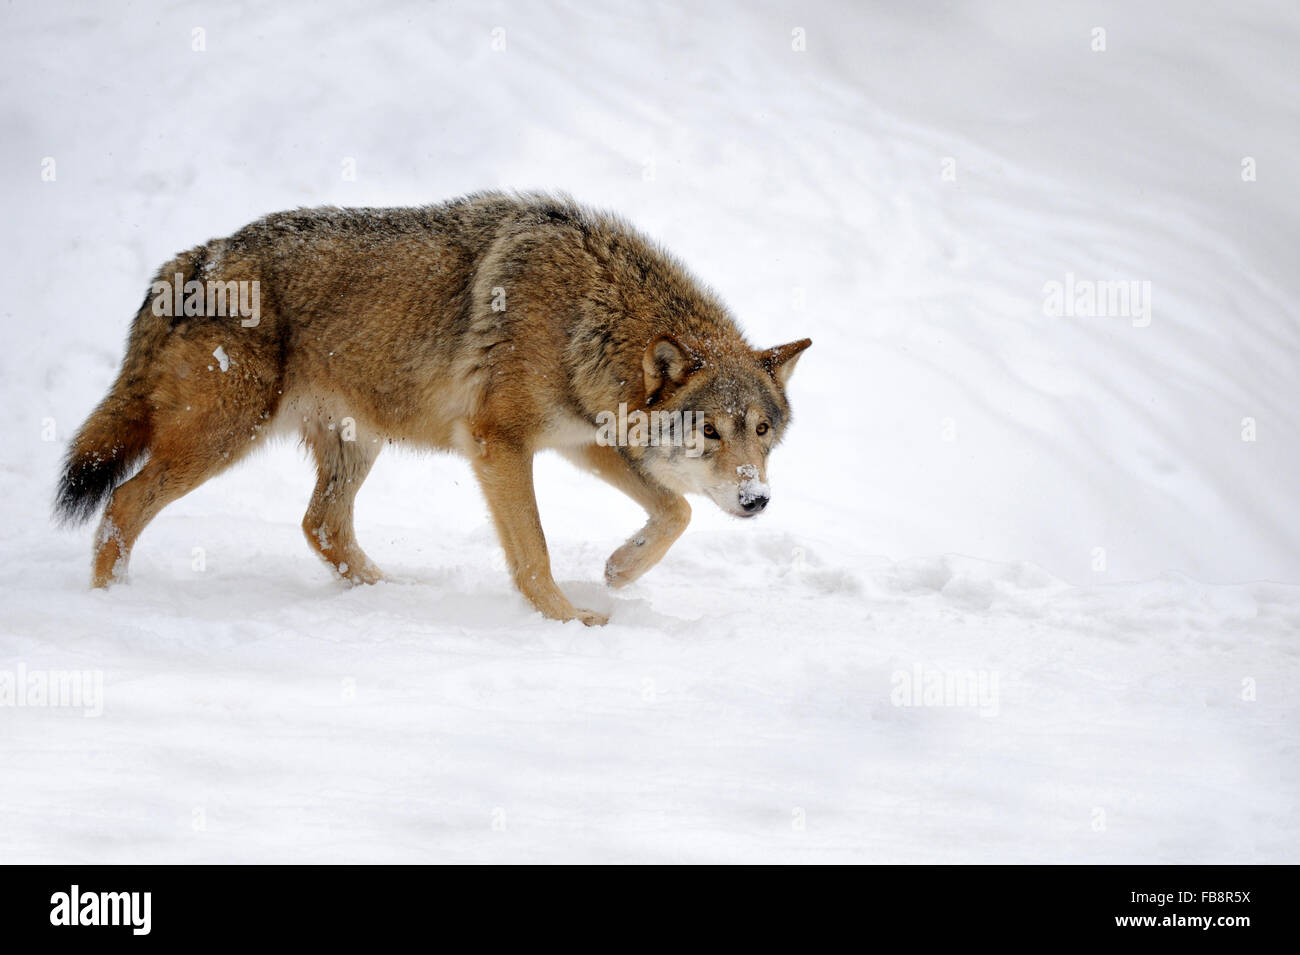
[(493, 325)]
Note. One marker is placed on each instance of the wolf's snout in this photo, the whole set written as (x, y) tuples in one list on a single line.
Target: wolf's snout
[(752, 494)]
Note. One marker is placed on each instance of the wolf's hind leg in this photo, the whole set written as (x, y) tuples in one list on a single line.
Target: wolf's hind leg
[(341, 466), (132, 506), (188, 449), (669, 513)]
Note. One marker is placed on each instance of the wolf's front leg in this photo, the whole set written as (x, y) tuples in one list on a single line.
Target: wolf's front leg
[(669, 513), (506, 476)]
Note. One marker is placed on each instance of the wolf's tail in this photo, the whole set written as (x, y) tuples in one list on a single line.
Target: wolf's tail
[(118, 432)]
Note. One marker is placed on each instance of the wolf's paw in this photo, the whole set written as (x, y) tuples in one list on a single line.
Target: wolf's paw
[(362, 572), (591, 618), (104, 581), (627, 563), (560, 609), (619, 576)]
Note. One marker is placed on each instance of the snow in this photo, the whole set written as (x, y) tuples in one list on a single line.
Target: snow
[(905, 191)]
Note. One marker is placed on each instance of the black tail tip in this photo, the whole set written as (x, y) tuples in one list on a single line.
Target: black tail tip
[(86, 484)]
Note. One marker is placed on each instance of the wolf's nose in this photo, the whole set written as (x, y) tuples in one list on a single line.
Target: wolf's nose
[(754, 504)]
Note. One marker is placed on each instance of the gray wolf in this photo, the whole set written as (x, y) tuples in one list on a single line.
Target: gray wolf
[(495, 325)]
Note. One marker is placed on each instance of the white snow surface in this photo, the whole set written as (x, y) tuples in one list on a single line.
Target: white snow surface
[(1130, 585)]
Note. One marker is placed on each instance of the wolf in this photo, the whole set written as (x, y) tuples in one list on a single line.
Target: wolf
[(496, 325)]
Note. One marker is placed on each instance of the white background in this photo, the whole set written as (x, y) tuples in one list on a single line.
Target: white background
[(957, 459)]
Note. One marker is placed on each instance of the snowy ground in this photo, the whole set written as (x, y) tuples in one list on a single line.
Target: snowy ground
[(1130, 609)]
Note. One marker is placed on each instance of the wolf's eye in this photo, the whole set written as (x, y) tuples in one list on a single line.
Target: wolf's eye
[(710, 431), (762, 428)]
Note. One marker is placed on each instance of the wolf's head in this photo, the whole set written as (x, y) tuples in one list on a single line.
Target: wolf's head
[(725, 414)]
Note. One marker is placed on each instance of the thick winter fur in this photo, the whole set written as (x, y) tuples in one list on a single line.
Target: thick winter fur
[(495, 325)]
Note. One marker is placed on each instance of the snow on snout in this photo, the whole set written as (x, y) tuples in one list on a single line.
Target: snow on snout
[(751, 488)]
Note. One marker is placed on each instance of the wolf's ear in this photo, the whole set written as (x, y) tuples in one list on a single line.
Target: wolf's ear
[(780, 361), (666, 362)]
